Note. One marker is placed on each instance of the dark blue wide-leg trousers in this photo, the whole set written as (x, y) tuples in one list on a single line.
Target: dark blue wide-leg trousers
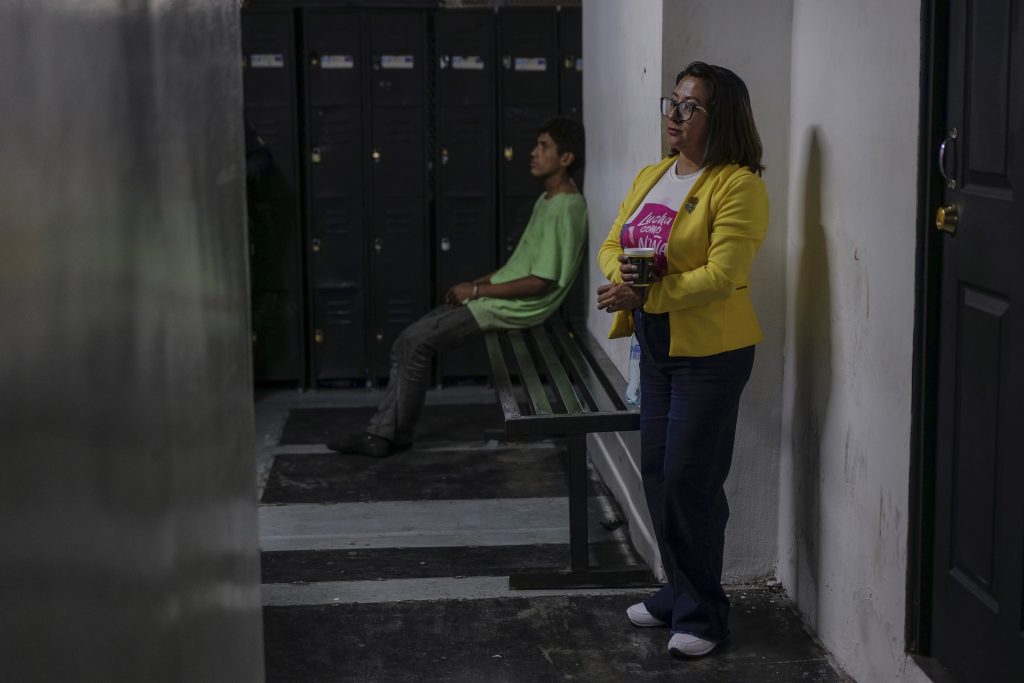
[(688, 410)]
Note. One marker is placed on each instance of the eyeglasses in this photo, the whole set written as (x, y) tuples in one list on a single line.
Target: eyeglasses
[(683, 110)]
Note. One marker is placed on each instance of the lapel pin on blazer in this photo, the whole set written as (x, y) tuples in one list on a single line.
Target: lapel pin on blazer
[(690, 205)]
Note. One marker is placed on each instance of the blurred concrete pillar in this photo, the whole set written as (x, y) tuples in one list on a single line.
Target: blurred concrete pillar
[(127, 503)]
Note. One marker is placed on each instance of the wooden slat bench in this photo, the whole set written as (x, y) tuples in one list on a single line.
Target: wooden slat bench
[(565, 386)]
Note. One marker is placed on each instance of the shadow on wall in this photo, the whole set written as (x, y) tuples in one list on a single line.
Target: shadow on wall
[(813, 371)]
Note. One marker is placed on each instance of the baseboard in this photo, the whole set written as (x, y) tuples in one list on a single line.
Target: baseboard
[(611, 455)]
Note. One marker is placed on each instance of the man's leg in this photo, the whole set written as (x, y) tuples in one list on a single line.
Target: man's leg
[(393, 425)]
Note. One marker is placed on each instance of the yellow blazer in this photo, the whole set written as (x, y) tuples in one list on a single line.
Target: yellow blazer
[(710, 247)]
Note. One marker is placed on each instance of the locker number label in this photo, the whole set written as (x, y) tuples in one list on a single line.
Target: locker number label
[(337, 62), (266, 61), (397, 61), (468, 63), (531, 64)]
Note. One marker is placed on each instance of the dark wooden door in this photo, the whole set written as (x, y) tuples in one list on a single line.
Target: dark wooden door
[(978, 620)]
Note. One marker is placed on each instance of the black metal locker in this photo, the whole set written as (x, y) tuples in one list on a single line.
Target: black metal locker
[(399, 282), (465, 163), (268, 48), (528, 96), (337, 223), (374, 112), (465, 50), (339, 337), (366, 185), (570, 45), (276, 320), (529, 50)]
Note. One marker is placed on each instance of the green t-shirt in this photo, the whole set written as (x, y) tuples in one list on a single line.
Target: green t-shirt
[(551, 248)]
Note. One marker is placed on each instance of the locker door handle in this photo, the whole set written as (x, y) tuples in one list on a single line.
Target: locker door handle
[(444, 156), (315, 156), (378, 245), (314, 59), (446, 244), (376, 156), (316, 244), (509, 153), (318, 336), (380, 335)]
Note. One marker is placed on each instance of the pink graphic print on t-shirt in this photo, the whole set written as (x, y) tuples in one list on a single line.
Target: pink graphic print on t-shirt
[(650, 229)]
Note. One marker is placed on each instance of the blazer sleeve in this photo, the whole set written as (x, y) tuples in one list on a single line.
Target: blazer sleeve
[(737, 230)]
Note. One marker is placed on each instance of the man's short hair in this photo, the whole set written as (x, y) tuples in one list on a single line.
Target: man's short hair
[(568, 136)]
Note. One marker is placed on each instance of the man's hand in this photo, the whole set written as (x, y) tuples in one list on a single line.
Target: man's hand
[(618, 297), (458, 294)]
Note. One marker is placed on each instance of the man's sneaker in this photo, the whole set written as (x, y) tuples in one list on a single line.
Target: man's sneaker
[(365, 444), (686, 645), (639, 616)]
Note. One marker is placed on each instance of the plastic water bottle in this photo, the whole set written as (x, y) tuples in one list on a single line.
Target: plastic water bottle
[(633, 376)]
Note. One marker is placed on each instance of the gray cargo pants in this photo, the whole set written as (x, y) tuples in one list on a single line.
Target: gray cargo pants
[(441, 329)]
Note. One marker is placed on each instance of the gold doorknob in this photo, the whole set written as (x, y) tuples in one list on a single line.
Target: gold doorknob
[(318, 336), (946, 218)]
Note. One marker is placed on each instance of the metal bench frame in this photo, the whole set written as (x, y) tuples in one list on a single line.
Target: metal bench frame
[(588, 394)]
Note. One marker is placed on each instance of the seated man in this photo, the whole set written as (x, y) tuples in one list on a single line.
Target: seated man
[(522, 293)]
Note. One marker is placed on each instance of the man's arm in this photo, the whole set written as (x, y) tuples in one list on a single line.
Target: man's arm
[(486, 279), (521, 288)]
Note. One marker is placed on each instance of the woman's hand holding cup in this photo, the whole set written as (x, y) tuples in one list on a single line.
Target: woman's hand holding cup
[(636, 265)]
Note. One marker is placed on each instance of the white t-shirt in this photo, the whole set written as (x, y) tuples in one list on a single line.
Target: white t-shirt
[(650, 224)]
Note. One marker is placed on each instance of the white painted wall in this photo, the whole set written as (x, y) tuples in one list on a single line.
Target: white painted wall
[(621, 85), (849, 327), (758, 50), (642, 44), (835, 90)]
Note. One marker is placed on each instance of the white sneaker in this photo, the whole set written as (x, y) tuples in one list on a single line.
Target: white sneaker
[(686, 645), (639, 616)]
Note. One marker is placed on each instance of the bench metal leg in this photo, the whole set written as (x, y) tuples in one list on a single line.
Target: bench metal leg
[(579, 574)]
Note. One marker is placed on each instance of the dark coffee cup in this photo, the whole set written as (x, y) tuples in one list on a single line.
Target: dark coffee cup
[(643, 259)]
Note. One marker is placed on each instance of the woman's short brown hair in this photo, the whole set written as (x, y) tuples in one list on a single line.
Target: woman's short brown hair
[(732, 135)]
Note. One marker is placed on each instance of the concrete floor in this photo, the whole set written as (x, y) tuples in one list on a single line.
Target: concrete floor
[(397, 569)]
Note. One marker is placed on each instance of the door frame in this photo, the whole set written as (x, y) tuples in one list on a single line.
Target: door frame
[(928, 267)]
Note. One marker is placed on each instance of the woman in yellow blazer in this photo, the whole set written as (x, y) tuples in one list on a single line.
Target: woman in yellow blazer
[(704, 211)]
